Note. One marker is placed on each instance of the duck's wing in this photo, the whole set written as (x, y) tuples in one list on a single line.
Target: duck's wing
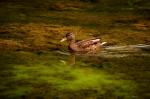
[(88, 42)]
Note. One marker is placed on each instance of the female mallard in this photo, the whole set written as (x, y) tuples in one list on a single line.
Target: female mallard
[(89, 45)]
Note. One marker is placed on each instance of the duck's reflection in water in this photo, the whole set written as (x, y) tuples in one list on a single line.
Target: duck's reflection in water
[(73, 55), (71, 59)]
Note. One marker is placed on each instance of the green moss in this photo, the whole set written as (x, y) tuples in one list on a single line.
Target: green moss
[(63, 77), (17, 92)]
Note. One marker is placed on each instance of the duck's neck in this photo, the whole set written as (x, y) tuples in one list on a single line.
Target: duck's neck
[(72, 41), (72, 46)]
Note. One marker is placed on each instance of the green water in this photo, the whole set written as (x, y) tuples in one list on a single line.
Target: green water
[(53, 75)]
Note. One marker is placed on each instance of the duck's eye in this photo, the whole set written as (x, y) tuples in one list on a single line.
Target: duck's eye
[(69, 34)]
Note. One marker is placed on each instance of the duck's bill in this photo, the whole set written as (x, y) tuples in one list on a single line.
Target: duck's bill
[(64, 39)]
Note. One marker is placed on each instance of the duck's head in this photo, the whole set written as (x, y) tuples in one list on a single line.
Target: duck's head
[(69, 37)]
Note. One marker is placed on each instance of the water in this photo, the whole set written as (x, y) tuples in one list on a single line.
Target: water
[(118, 51), (124, 51), (129, 63), (116, 72)]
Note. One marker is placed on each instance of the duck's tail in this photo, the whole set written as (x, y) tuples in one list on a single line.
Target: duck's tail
[(103, 43)]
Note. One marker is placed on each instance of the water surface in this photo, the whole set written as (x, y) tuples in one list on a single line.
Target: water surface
[(116, 72)]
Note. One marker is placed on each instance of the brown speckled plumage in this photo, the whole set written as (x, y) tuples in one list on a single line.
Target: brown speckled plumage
[(89, 45)]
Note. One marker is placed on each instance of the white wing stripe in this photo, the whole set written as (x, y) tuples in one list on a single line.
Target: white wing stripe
[(96, 40)]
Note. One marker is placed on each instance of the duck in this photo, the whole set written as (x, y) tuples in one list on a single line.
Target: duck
[(88, 45)]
